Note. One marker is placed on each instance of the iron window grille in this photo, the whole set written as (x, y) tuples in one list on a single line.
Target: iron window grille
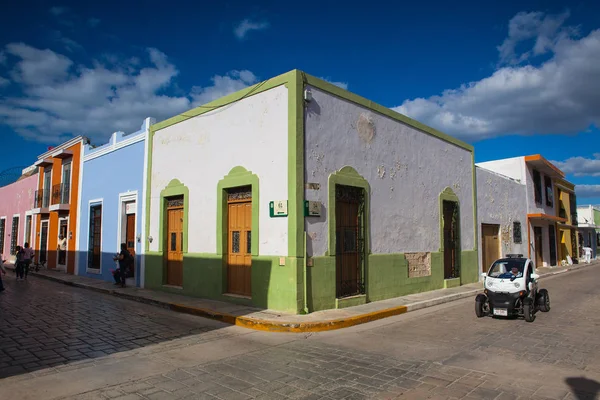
[(549, 193), (517, 238), (537, 184), (95, 232), (239, 193), (2, 232), (350, 241), (14, 235)]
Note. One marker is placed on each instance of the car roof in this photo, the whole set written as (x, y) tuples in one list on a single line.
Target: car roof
[(512, 259)]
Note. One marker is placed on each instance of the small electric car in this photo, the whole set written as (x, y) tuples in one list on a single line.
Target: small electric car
[(511, 290)]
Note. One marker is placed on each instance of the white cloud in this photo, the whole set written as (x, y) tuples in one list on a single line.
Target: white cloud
[(38, 67), (587, 191), (56, 10), (93, 22), (242, 29), (544, 30), (580, 166), (61, 99), (343, 85), (222, 85), (562, 95)]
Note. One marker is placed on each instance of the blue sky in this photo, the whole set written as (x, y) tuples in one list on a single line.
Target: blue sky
[(514, 78)]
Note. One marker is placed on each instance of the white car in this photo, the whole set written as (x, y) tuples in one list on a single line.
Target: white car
[(511, 289)]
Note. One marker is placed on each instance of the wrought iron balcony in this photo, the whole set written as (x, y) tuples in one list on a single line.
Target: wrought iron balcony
[(60, 193), (41, 199)]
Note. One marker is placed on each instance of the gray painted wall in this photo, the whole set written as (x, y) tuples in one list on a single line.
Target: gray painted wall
[(406, 168), (535, 208), (501, 201)]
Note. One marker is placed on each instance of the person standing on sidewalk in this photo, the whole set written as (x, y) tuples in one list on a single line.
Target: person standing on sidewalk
[(28, 255), (62, 249), (125, 259), (19, 263), (2, 272)]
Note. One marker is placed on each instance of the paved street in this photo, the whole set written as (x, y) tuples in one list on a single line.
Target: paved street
[(441, 352), (48, 324)]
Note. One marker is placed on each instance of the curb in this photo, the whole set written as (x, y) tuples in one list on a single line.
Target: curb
[(289, 327)]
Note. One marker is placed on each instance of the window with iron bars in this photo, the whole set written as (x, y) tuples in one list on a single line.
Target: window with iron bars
[(2, 232), (14, 235)]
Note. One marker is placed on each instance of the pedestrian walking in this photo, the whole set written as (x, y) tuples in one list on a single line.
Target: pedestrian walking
[(2, 272), (125, 260), (28, 255), (19, 262)]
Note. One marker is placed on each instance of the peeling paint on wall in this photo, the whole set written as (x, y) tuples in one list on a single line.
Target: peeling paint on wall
[(406, 170), (365, 127)]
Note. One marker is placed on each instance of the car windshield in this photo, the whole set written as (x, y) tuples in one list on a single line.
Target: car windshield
[(506, 269)]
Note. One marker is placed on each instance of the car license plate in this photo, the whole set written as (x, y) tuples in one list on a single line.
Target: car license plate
[(500, 311)]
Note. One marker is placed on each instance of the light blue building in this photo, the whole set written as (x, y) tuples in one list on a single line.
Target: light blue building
[(112, 205)]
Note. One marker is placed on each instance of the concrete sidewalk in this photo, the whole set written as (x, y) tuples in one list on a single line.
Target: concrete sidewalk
[(274, 321)]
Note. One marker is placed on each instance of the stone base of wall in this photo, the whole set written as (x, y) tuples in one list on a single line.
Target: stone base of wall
[(419, 264)]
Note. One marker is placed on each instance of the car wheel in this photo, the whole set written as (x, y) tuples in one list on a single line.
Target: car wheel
[(481, 306), (529, 309), (543, 300)]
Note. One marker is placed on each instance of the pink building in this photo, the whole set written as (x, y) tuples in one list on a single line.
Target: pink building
[(16, 202)]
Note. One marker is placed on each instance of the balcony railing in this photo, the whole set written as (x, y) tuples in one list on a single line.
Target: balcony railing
[(41, 199), (60, 193)]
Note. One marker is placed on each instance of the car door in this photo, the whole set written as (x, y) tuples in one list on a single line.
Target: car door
[(530, 271)]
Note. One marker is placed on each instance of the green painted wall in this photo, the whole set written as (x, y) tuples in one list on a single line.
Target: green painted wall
[(469, 268), (321, 284), (273, 286), (387, 277)]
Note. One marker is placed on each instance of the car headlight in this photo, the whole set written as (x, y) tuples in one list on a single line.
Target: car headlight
[(517, 285)]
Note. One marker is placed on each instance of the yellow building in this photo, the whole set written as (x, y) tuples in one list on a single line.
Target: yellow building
[(566, 207)]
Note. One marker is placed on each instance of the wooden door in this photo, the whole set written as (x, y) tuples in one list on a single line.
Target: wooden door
[(174, 242), (349, 256), (239, 254), (130, 240), (490, 245), (538, 240)]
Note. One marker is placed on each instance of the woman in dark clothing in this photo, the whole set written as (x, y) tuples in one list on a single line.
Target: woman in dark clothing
[(124, 258)]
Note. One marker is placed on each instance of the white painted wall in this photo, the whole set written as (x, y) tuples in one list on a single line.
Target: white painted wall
[(536, 208), (512, 167), (585, 215), (200, 151), (406, 168), (501, 201)]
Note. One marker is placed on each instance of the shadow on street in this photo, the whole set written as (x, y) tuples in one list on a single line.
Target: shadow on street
[(584, 388)]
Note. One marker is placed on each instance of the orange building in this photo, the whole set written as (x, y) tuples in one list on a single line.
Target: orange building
[(56, 204)]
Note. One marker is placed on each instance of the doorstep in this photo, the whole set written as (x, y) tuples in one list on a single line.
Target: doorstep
[(274, 321)]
